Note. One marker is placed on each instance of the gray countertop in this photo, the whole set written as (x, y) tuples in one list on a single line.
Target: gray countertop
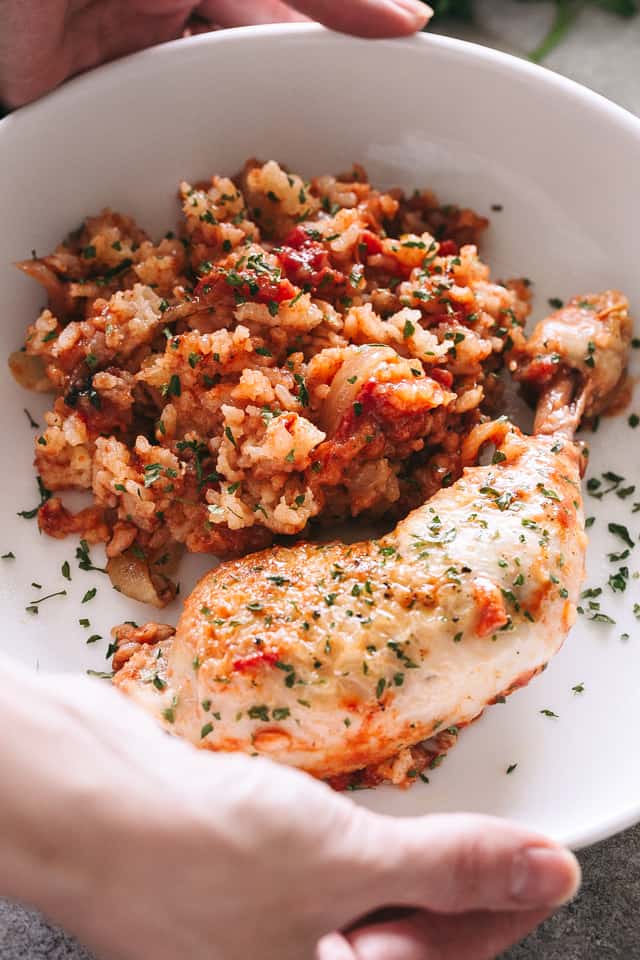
[(603, 923)]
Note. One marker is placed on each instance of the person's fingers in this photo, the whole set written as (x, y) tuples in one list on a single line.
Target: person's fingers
[(473, 936), (368, 18), (30, 32), (42, 44), (334, 947), (459, 862), (230, 13)]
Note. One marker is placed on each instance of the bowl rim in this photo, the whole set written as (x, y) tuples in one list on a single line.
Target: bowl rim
[(535, 75), (508, 63)]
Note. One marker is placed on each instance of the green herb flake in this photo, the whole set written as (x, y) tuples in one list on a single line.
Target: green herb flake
[(619, 530), (44, 496), (278, 580), (174, 387), (259, 712), (599, 617)]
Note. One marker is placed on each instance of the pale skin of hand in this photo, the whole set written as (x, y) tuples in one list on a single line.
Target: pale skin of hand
[(41, 44), (145, 847)]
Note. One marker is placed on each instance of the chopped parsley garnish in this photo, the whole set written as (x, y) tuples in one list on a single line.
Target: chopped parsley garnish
[(84, 559), (174, 387), (619, 530), (260, 712), (32, 422), (303, 395), (152, 472), (408, 330), (44, 496), (550, 494), (599, 617), (89, 595), (169, 715), (35, 604), (618, 581)]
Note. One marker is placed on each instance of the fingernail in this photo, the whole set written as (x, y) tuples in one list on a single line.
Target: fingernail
[(416, 11), (544, 876), (334, 947)]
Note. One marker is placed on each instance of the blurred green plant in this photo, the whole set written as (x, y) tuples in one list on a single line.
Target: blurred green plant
[(565, 15)]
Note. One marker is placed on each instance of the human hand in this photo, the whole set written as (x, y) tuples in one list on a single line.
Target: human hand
[(145, 847), (41, 44)]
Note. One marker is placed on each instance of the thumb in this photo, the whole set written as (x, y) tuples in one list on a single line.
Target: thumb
[(454, 863)]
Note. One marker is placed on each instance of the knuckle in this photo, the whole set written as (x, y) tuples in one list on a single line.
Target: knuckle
[(467, 868)]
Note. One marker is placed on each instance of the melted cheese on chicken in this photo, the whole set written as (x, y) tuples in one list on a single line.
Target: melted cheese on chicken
[(334, 657)]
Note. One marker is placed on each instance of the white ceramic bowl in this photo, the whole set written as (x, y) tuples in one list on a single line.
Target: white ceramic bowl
[(481, 128)]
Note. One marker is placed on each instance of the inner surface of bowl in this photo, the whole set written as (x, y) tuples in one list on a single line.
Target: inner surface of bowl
[(480, 129)]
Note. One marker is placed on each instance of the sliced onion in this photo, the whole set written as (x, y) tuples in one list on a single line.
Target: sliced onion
[(359, 364), (29, 371), (49, 279), (132, 575), (494, 431)]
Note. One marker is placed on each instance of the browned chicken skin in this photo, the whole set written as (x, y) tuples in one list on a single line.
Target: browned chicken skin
[(588, 338), (342, 659)]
